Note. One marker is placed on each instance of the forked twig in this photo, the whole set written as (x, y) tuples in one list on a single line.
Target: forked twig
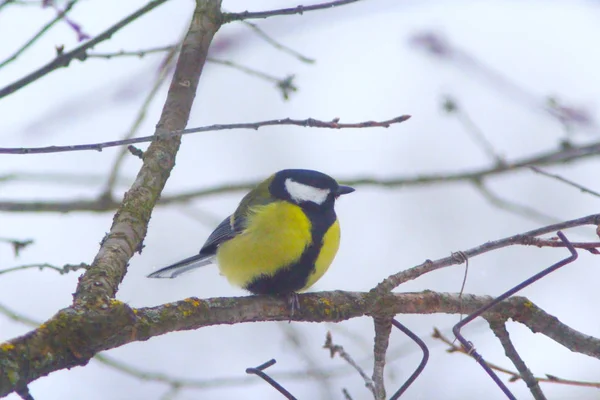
[(337, 349), (469, 346), (499, 329), (513, 376)]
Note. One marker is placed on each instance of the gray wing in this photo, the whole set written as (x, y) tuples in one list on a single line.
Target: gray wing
[(226, 230), (229, 228)]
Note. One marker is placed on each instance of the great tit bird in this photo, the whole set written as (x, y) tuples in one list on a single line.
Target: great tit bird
[(280, 240)]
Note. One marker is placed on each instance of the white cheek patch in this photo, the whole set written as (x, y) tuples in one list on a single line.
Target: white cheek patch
[(300, 192)]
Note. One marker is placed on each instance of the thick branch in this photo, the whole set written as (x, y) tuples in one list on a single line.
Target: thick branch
[(130, 224), (75, 334), (383, 328)]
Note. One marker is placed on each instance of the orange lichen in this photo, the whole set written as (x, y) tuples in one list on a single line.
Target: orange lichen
[(193, 301), (6, 346)]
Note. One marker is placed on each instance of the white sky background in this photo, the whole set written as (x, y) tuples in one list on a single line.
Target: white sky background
[(366, 70)]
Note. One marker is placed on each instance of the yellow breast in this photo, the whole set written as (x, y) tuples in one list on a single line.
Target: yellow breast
[(276, 236)]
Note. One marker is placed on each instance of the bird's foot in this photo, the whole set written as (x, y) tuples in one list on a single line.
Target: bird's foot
[(294, 303)]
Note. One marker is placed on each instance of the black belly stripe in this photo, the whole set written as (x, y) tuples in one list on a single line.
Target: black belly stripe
[(292, 278)]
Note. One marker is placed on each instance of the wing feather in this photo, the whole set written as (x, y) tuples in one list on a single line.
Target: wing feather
[(222, 233), (226, 230)]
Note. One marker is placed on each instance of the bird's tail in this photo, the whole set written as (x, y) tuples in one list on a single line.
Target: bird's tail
[(183, 266)]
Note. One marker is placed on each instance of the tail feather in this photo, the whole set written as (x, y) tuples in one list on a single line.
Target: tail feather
[(183, 266)]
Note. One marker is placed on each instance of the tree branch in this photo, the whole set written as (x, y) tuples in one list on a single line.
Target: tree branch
[(339, 350), (175, 133), (559, 178), (383, 328), (99, 284), (74, 334), (40, 33), (476, 175), (499, 329), (229, 381), (95, 322), (61, 270), (514, 376), (278, 45), (63, 60), (229, 17), (525, 211), (525, 239)]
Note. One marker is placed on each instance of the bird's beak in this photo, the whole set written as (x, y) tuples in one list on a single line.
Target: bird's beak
[(344, 190)]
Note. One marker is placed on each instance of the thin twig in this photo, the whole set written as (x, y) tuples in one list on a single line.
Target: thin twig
[(276, 44), (61, 270), (135, 53), (286, 84), (524, 239), (17, 317), (440, 47), (514, 376), (309, 122), (17, 244), (218, 382), (573, 255), (58, 178), (39, 34), (565, 180), (499, 329), (512, 207), (346, 394), (229, 17), (6, 3), (339, 350), (452, 107), (63, 60)]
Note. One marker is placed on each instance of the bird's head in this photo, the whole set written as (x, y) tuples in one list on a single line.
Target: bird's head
[(307, 187)]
